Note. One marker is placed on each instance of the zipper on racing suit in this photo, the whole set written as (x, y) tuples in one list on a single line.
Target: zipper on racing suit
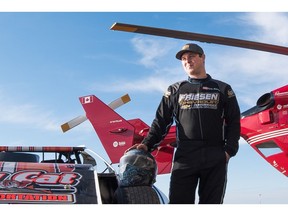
[(199, 110)]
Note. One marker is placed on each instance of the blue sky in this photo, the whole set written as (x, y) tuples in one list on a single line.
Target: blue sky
[(48, 60)]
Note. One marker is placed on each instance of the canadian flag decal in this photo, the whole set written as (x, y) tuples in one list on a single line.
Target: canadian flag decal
[(87, 99)]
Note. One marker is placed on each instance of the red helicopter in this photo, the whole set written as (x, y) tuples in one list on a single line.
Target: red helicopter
[(117, 134), (264, 126)]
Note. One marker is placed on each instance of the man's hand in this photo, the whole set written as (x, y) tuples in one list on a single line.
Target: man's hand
[(139, 146)]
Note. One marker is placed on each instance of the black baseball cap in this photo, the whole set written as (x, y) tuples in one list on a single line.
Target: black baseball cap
[(190, 47)]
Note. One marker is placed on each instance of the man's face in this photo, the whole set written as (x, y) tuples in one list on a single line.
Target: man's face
[(193, 64)]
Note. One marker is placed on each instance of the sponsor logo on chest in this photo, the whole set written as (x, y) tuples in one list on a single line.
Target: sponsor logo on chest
[(199, 100)]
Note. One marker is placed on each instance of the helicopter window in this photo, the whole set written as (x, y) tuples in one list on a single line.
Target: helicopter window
[(269, 148)]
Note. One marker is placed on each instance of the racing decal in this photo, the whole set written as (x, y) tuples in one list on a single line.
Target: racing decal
[(49, 167), (199, 100), (19, 183), (36, 198), (210, 89), (39, 148), (230, 93)]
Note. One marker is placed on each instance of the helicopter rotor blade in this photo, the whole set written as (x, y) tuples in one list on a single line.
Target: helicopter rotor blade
[(119, 102), (200, 37), (73, 123), (80, 119)]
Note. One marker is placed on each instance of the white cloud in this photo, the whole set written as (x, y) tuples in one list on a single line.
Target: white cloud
[(271, 27), (151, 50), (158, 81), (155, 54), (253, 73), (25, 114)]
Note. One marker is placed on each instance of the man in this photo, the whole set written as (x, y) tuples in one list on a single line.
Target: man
[(207, 118)]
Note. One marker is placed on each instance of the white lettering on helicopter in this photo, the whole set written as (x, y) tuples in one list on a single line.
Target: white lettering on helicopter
[(121, 143), (282, 169), (279, 107), (281, 93), (115, 121)]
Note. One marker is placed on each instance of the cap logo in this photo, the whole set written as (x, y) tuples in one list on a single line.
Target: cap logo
[(187, 46)]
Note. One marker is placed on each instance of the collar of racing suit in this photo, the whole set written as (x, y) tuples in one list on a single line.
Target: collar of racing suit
[(199, 81)]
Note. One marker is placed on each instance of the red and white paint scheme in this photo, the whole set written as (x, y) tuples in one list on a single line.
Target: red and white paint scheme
[(265, 128)]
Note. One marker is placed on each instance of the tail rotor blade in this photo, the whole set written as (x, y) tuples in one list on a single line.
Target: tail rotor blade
[(73, 123), (119, 102)]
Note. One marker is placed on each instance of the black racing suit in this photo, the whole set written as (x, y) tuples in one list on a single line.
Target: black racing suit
[(207, 118)]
